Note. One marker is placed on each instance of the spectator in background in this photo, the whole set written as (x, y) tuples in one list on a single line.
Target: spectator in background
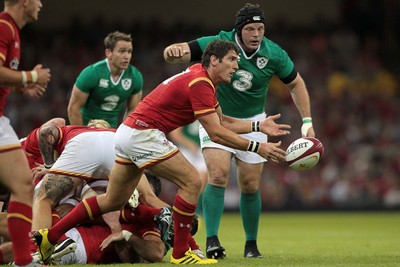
[(14, 169), (244, 98), (102, 89)]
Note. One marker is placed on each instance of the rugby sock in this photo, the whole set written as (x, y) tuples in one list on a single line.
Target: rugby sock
[(192, 243), (19, 221), (213, 208), (139, 214), (250, 209), (87, 209), (199, 207), (183, 213)]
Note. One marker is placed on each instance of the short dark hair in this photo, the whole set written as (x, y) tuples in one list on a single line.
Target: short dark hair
[(249, 13), (112, 38), (219, 49)]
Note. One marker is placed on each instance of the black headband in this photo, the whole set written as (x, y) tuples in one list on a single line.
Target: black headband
[(247, 16)]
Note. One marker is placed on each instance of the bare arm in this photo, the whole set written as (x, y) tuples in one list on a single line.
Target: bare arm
[(177, 53), (132, 103), (76, 102), (224, 136), (147, 196), (131, 248), (13, 78), (301, 99)]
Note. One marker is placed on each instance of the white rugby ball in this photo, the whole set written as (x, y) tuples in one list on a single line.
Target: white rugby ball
[(304, 153)]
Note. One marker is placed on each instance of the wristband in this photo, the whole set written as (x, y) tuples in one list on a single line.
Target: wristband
[(34, 75), (253, 146), (307, 120), (255, 126), (47, 166), (126, 235), (24, 77)]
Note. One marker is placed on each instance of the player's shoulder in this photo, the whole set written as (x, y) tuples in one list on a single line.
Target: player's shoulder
[(7, 25), (271, 48), (227, 35), (268, 43), (99, 64), (134, 72)]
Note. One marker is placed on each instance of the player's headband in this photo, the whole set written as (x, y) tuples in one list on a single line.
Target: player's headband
[(248, 15)]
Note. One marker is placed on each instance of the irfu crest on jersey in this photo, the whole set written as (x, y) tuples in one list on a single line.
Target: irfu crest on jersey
[(262, 62), (126, 83)]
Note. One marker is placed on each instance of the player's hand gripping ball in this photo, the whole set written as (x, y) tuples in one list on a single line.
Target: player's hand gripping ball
[(304, 153)]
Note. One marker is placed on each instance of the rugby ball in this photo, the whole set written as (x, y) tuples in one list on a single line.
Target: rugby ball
[(304, 153)]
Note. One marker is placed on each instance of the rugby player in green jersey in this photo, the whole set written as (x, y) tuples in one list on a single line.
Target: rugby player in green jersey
[(103, 89), (244, 98)]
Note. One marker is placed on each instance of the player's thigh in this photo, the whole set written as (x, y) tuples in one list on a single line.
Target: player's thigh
[(123, 180), (249, 176), (15, 173), (218, 163), (179, 171)]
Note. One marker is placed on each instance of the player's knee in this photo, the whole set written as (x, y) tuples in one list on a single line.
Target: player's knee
[(218, 177), (250, 185)]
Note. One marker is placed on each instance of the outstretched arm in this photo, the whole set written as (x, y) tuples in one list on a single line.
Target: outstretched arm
[(301, 99)]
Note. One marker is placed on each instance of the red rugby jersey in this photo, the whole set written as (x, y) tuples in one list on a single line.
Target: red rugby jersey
[(176, 102)]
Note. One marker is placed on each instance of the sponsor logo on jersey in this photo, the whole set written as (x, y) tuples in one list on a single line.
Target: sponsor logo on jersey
[(16, 45), (103, 83), (262, 62), (126, 83)]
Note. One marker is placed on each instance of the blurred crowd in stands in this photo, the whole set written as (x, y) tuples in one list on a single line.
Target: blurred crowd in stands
[(354, 88)]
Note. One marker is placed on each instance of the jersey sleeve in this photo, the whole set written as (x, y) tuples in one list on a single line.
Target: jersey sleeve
[(203, 98), (204, 41), (286, 65), (87, 79)]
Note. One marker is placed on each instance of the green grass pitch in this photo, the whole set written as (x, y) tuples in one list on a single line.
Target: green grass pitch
[(312, 239)]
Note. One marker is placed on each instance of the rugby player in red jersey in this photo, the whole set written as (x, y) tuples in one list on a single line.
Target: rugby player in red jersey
[(14, 170), (140, 143)]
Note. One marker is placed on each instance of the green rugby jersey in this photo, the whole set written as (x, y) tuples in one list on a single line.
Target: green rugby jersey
[(245, 96), (106, 97)]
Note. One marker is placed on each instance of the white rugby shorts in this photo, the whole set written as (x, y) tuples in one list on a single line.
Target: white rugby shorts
[(8, 137), (245, 156), (142, 147), (89, 155)]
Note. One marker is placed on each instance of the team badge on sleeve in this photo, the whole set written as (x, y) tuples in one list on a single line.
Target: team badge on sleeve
[(262, 62)]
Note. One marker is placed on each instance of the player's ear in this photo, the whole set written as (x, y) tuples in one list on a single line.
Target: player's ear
[(108, 53), (213, 60)]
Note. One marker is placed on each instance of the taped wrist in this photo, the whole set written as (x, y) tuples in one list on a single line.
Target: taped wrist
[(253, 146), (126, 234), (307, 124), (255, 126)]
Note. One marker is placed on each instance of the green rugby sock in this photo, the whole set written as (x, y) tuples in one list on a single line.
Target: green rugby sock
[(213, 208), (250, 209)]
